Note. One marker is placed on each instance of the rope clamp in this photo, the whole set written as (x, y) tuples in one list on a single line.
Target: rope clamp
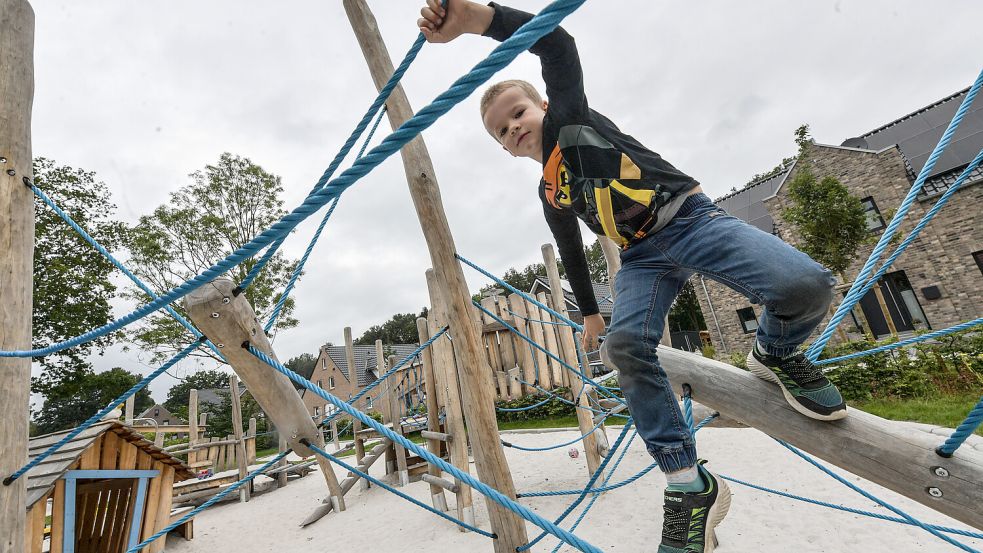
[(215, 315), (941, 472), (226, 300), (934, 492), (3, 159)]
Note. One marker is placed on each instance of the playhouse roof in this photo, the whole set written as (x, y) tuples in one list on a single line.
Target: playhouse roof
[(41, 478)]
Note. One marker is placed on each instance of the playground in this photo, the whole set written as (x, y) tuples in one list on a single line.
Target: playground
[(460, 484)]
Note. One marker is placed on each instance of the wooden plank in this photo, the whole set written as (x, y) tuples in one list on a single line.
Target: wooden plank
[(34, 536), (109, 455), (57, 517), (213, 451), (251, 442), (887, 453), (127, 455), (437, 349), (454, 411), (505, 338), (492, 345), (550, 342), (502, 381), (569, 354), (543, 374), (89, 460), (192, 424), (16, 260), (240, 447), (523, 350), (228, 319), (433, 415), (353, 380), (153, 500), (162, 515), (220, 462), (397, 414)]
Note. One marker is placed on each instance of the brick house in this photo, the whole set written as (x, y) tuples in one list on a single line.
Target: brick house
[(937, 282), (331, 373)]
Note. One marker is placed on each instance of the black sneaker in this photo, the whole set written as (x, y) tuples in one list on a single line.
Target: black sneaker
[(802, 383), (690, 518)]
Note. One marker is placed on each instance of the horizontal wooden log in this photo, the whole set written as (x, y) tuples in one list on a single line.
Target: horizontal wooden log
[(348, 483), (617, 409), (443, 483), (888, 453), (428, 435)]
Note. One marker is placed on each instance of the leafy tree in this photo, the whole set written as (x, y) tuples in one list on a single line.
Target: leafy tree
[(400, 329), (303, 365), (72, 400), (225, 206), (830, 221), (72, 286), (177, 396), (686, 313), (220, 418)]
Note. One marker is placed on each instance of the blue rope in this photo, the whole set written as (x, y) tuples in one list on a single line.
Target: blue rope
[(521, 409), (880, 502), (507, 51), (98, 416), (557, 446), (903, 343), (590, 483), (965, 429), (218, 497), (870, 514), (481, 487), (387, 487), (861, 284)]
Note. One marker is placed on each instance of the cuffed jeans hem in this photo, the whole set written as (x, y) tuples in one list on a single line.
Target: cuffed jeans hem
[(674, 459), (780, 351)]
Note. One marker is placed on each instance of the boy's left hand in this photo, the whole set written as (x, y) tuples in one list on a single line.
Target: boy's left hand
[(593, 327)]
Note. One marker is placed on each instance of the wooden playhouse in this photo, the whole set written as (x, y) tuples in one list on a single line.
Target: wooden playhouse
[(105, 491)]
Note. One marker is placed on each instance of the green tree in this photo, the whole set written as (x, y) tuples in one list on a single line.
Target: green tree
[(177, 396), (400, 329), (829, 220), (225, 206), (220, 417), (303, 365), (72, 285), (686, 313), (72, 400)]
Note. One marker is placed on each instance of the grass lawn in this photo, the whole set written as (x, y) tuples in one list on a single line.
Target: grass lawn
[(948, 411)]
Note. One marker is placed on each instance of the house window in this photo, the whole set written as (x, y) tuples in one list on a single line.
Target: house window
[(324, 362), (320, 383), (749, 322), (167, 421), (368, 402), (317, 411), (331, 383), (874, 220), (156, 412), (978, 256)]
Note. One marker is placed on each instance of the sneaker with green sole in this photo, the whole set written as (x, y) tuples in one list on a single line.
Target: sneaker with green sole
[(803, 384), (690, 519)]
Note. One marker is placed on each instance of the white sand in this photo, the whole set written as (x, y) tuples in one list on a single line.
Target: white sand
[(625, 520)]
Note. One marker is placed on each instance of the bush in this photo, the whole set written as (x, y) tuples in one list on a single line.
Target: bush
[(951, 365), (552, 408)]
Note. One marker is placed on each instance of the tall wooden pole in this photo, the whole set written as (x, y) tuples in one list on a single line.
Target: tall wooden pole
[(353, 380), (241, 462), (16, 259), (192, 426), (479, 400)]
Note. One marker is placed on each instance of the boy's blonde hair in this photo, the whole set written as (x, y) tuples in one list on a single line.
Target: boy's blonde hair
[(498, 88)]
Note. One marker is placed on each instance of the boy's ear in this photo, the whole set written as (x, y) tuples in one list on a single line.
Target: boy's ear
[(546, 105)]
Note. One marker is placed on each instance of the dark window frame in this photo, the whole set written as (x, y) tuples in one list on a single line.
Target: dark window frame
[(873, 208), (978, 257), (742, 316)]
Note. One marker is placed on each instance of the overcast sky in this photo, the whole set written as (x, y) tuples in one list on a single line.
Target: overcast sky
[(144, 93)]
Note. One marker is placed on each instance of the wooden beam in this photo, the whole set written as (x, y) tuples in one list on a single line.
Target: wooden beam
[(569, 354), (396, 415), (348, 483), (16, 259), (353, 381), (240, 443), (128, 412), (488, 455), (228, 319), (432, 434), (192, 425), (885, 452)]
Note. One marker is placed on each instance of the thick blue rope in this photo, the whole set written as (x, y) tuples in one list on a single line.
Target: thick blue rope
[(964, 431), (861, 284), (870, 514), (880, 502), (389, 488), (118, 264), (557, 446), (136, 548), (903, 343), (507, 51), (481, 487), (98, 416)]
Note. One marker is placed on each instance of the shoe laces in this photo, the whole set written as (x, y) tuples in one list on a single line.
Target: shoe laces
[(801, 370), (675, 523)]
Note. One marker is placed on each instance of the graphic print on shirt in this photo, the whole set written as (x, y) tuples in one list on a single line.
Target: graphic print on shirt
[(588, 174)]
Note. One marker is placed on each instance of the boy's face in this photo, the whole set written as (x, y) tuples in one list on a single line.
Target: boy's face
[(516, 122)]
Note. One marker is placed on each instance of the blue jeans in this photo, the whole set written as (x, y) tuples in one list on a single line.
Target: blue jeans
[(794, 290)]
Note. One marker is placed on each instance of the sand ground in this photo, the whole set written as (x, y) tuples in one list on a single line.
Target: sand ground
[(625, 520)]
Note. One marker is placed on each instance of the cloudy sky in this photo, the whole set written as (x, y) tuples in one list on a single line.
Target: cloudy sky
[(144, 93)]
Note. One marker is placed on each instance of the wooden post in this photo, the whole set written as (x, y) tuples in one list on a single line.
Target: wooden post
[(128, 412), (887, 453), (353, 380), (281, 477), (887, 312), (192, 426), (433, 413), (545, 374), (454, 409), (16, 259), (569, 348), (228, 319), (489, 458), (241, 461), (251, 442), (557, 372), (396, 414), (524, 351), (334, 433)]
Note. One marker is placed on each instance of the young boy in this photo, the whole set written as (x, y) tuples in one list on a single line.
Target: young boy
[(668, 230)]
